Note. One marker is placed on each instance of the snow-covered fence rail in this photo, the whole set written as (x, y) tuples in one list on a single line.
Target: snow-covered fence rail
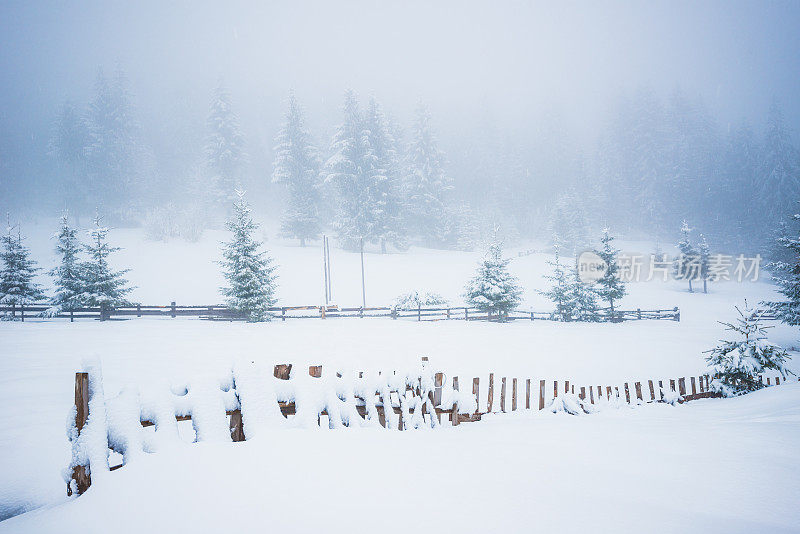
[(253, 400), (223, 313)]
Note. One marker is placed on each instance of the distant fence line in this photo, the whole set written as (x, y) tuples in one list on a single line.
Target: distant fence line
[(223, 313)]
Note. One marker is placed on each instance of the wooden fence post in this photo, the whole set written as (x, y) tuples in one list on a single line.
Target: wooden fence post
[(81, 474), (528, 394), (419, 312), (476, 390), (454, 412), (491, 393), (315, 371), (652, 390), (702, 386), (138, 310), (608, 392), (71, 316), (638, 386), (639, 313), (682, 386), (466, 313), (591, 394), (283, 313), (660, 390), (627, 394), (566, 386), (767, 379), (694, 387), (555, 388), (172, 305), (583, 393), (22, 311), (672, 384), (438, 380), (541, 394), (531, 316), (237, 429), (513, 394), (503, 395), (599, 392), (282, 371), (448, 314)]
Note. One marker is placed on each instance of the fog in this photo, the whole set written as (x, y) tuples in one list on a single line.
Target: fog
[(533, 104)]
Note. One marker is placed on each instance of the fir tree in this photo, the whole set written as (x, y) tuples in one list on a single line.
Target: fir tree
[(738, 363), (568, 220), (247, 269), (384, 193), (561, 292), (103, 287), (17, 271), (583, 298), (611, 288), (297, 166), (69, 278), (778, 172), (786, 274), (225, 156), (494, 289), (68, 147), (427, 183), (687, 264)]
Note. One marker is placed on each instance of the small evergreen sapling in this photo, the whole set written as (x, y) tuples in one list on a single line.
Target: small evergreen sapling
[(610, 288), (17, 271), (561, 292), (69, 274), (494, 289), (103, 287), (583, 297), (247, 269), (687, 265), (737, 364)]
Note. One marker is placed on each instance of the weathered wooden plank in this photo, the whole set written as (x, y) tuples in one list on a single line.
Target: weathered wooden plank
[(528, 394), (237, 429), (503, 394), (513, 394), (81, 474), (652, 390), (490, 400), (541, 394)]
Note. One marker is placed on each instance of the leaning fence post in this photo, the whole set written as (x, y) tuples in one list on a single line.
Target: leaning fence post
[(81, 474)]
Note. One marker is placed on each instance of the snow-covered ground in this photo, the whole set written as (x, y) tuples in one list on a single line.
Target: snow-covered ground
[(708, 466), (672, 467)]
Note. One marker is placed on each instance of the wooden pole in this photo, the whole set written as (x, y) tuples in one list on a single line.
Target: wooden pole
[(237, 429), (682, 386), (652, 390), (491, 393), (566, 386), (555, 388), (608, 392), (503, 394), (627, 394), (513, 394), (81, 474), (694, 387), (638, 386), (282, 371), (583, 393), (172, 306), (541, 394), (591, 394), (315, 371), (476, 390)]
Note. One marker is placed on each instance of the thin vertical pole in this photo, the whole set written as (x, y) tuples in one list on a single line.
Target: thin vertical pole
[(363, 285)]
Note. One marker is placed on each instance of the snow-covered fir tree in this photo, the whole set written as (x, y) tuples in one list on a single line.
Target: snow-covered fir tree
[(494, 289), (738, 363), (704, 257), (583, 296), (17, 271), (385, 187), (247, 269), (610, 288), (103, 287), (561, 291), (427, 183), (687, 265), (225, 156), (297, 166), (786, 274), (68, 275)]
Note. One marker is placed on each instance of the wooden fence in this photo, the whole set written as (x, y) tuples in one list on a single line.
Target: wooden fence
[(515, 394), (222, 313)]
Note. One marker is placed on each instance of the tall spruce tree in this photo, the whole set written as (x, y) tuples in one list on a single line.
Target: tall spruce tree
[(779, 182), (17, 271), (297, 166), (427, 183), (786, 274), (610, 288), (103, 287), (385, 181), (69, 276), (738, 363), (494, 289), (247, 269), (225, 155)]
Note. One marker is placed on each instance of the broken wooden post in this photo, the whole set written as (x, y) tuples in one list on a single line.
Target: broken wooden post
[(541, 394), (503, 394), (315, 371), (513, 394), (237, 429), (528, 394), (491, 393), (282, 371), (81, 474), (476, 390)]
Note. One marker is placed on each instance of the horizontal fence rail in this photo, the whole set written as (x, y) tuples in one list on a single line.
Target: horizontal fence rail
[(218, 312)]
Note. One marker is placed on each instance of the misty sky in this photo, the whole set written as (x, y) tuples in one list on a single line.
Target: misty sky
[(502, 62)]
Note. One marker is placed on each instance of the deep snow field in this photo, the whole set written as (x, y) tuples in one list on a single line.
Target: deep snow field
[(711, 465)]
